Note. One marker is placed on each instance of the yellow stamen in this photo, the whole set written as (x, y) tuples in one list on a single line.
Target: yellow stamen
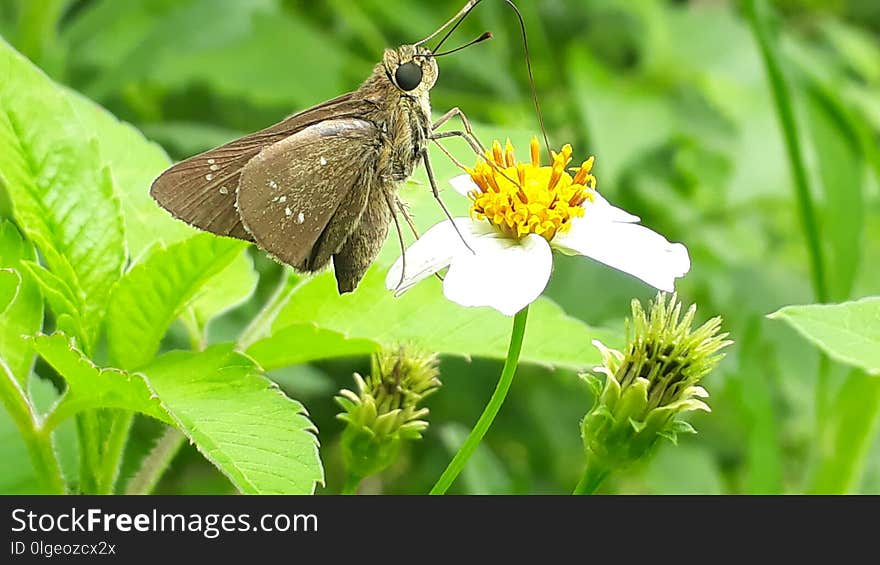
[(524, 198), (509, 157), (497, 155)]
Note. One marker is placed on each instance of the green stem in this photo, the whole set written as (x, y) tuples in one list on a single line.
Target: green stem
[(261, 325), (757, 12), (156, 462), (88, 433), (492, 408), (37, 439), (113, 449), (590, 481)]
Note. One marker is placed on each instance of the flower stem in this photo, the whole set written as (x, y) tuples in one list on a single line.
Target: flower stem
[(261, 325), (113, 448), (156, 462), (37, 439), (476, 436), (756, 12), (590, 481)]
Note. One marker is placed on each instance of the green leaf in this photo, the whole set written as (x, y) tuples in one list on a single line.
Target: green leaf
[(841, 168), (89, 386), (227, 289), (134, 162), (849, 332), (10, 281), (301, 343), (62, 196), (22, 316), (241, 422), (847, 437), (154, 292), (371, 317), (60, 298)]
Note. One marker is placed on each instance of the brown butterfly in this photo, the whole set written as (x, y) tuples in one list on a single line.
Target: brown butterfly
[(322, 184)]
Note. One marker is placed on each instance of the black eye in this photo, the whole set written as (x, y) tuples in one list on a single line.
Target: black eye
[(408, 76)]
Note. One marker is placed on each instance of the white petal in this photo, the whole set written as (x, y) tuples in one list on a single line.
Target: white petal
[(432, 252), (503, 273), (602, 210), (629, 247), (463, 184)]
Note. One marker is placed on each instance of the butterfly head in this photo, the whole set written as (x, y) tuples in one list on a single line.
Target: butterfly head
[(412, 69)]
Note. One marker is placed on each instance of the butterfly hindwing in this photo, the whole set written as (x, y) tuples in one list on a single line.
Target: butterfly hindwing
[(301, 197)]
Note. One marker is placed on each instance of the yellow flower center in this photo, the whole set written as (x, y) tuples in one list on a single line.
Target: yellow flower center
[(524, 198)]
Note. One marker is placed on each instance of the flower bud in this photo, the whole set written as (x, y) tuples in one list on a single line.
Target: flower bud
[(648, 385), (385, 409)]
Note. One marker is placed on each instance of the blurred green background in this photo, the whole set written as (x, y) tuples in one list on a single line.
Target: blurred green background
[(673, 99)]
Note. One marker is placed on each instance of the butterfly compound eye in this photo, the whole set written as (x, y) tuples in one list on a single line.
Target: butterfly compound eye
[(408, 76)]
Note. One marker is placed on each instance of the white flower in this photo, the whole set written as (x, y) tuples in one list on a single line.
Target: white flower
[(519, 213)]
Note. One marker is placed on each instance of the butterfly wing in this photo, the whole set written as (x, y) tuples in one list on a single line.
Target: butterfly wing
[(201, 190), (301, 197)]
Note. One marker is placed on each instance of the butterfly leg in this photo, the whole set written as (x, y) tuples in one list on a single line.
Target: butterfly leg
[(436, 192), (401, 207), (471, 136)]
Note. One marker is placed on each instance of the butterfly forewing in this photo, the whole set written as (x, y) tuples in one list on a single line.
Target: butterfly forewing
[(301, 197), (201, 190)]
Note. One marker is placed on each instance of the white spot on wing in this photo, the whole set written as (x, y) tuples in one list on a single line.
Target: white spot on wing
[(272, 184), (224, 190), (209, 176), (323, 161), (282, 199), (300, 218), (211, 161), (215, 167), (288, 212)]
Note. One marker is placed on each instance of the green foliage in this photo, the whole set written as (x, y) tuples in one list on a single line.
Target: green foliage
[(848, 332), (239, 420), (155, 292), (63, 196), (21, 314)]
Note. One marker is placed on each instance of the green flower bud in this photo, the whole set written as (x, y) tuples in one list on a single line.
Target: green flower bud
[(650, 384), (384, 410)]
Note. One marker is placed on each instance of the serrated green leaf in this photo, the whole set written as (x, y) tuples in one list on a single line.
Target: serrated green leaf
[(154, 293), (89, 386), (134, 162), (23, 316), (62, 197), (848, 332), (60, 298), (241, 422)]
